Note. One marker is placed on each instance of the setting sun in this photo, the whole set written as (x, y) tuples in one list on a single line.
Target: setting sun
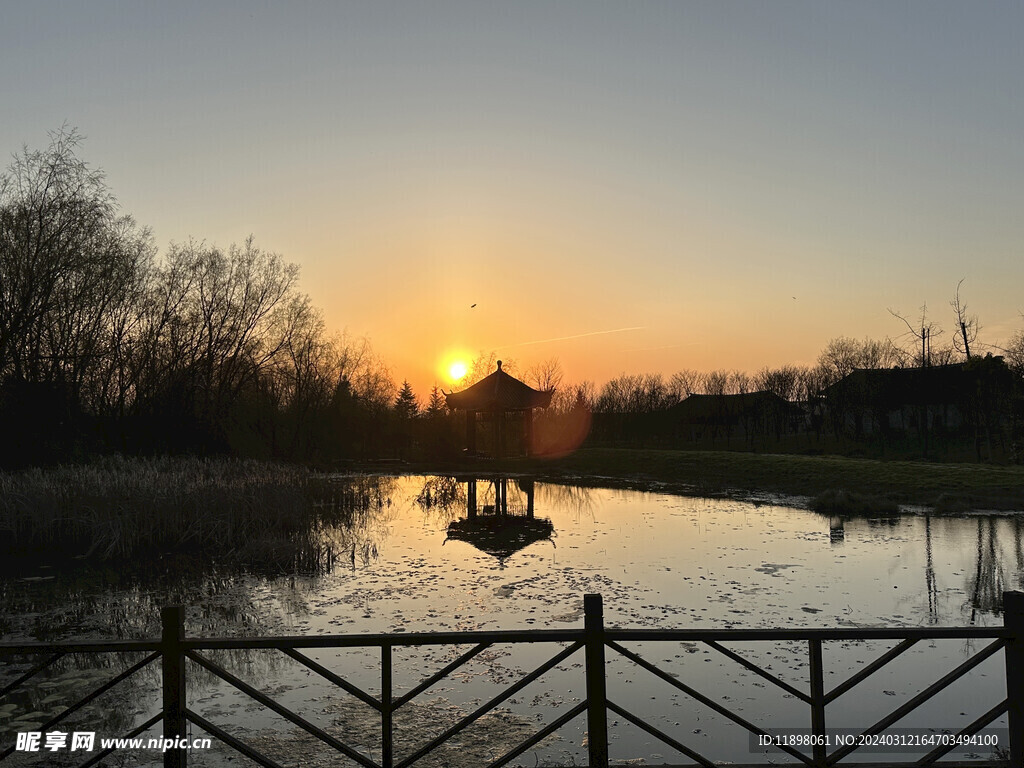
[(457, 370)]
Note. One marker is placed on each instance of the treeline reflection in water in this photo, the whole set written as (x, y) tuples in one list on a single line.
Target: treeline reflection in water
[(997, 541)]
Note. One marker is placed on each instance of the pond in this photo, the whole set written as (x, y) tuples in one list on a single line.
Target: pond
[(427, 555)]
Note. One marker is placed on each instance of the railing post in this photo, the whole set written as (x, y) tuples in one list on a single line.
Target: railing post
[(1013, 621), (817, 703), (173, 620), (386, 712), (597, 709)]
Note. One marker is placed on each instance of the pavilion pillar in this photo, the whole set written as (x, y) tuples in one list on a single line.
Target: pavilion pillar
[(499, 434), (528, 415), (471, 431), (471, 499)]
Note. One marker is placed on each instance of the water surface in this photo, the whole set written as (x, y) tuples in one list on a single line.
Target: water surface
[(658, 560)]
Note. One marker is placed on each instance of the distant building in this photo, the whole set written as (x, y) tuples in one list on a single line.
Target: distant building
[(743, 415), (942, 398)]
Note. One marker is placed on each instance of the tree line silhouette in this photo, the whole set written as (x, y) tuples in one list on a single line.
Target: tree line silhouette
[(108, 346)]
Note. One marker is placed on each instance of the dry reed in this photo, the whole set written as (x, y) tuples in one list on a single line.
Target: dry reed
[(120, 508)]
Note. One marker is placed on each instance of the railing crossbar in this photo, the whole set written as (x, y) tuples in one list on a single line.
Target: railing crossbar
[(82, 702), (922, 697), (333, 677), (695, 694), (31, 673), (231, 741), (661, 735), (373, 640), (740, 635), (541, 734), (870, 669), (759, 671), (130, 735), (286, 713), (440, 675), (485, 708), (86, 646), (968, 730)]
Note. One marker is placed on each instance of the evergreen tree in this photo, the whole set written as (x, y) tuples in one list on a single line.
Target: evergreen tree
[(405, 404), (437, 405)]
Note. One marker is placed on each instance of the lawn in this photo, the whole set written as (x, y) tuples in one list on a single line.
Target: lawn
[(946, 486)]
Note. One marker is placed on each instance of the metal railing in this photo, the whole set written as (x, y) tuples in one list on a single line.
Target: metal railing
[(174, 649)]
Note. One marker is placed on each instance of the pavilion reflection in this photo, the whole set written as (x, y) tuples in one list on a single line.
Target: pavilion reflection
[(500, 517)]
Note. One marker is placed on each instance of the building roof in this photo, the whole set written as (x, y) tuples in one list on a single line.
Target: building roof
[(499, 392), (902, 386), (719, 406)]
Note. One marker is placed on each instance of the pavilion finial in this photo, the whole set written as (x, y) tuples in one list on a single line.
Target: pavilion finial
[(499, 365)]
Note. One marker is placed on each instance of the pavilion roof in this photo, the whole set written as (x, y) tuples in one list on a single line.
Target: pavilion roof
[(499, 392), (501, 535)]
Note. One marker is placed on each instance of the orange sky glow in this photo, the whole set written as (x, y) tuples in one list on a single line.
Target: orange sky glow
[(626, 188)]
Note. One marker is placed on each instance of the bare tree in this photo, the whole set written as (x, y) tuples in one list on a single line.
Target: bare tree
[(614, 396), (545, 375), (68, 265), (716, 382), (1014, 353), (364, 373), (634, 393), (739, 382), (844, 354), (225, 318), (967, 325), (923, 332), (485, 363), (584, 394), (783, 381), (683, 383)]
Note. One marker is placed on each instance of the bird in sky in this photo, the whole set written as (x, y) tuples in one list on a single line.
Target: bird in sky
[(472, 305)]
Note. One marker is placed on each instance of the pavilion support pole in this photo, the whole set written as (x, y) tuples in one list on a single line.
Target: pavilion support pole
[(500, 434), (471, 431), (528, 415)]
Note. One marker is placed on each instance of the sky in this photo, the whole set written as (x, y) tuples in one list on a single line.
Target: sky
[(626, 187)]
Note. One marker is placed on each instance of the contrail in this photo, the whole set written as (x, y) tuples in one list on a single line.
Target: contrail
[(667, 346), (577, 336)]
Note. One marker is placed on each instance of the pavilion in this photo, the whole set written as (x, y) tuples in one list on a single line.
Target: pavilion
[(502, 407)]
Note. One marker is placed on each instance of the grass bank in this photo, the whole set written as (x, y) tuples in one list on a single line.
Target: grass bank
[(945, 486), (116, 508)]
